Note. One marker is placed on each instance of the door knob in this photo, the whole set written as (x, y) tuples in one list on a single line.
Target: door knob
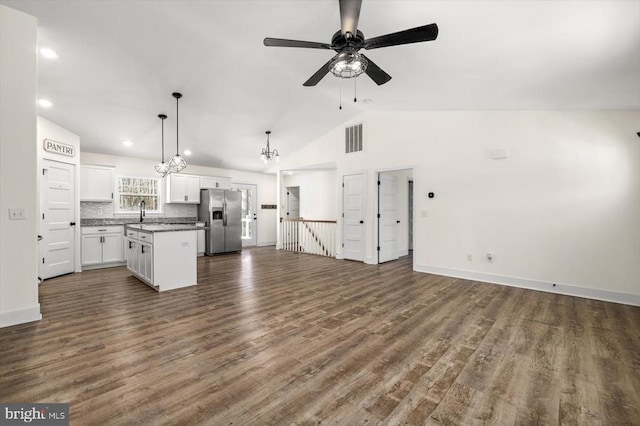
[(362, 221), (72, 223)]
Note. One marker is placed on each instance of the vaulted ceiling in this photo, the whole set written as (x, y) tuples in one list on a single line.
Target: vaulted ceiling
[(121, 60)]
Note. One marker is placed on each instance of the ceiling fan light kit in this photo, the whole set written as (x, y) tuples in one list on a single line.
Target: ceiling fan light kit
[(349, 63)]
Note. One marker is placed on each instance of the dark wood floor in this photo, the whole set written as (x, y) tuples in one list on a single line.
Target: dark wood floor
[(272, 337)]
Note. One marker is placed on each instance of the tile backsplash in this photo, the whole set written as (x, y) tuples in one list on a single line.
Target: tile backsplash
[(93, 210)]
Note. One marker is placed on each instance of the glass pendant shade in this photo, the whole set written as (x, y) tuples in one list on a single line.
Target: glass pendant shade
[(162, 169), (176, 164)]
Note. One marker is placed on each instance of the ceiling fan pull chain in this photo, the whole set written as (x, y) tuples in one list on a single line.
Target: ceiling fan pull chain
[(355, 90), (340, 94)]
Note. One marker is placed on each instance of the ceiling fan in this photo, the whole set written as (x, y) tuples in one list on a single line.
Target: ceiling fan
[(347, 42)]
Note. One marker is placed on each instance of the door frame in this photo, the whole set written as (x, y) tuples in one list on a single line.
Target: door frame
[(365, 214), (254, 222), (376, 204), (76, 207)]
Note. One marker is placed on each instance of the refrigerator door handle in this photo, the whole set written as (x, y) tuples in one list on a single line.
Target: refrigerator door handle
[(224, 214)]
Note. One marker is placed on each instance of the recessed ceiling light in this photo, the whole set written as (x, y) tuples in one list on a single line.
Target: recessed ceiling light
[(127, 143), (187, 152), (49, 53), (45, 103)]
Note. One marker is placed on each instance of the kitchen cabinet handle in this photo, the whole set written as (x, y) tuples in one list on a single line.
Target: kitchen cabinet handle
[(102, 230), (130, 246), (142, 249)]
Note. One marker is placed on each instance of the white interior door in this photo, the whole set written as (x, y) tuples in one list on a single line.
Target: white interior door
[(353, 217), (57, 219), (249, 213), (388, 217)]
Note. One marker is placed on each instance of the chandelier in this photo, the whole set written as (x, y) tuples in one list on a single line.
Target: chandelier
[(268, 155), (177, 163), (162, 168)]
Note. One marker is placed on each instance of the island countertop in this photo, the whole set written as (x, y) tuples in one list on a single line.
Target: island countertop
[(164, 227)]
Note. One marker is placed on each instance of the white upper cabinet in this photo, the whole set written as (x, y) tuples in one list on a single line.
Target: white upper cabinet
[(96, 183), (183, 188), (215, 182)]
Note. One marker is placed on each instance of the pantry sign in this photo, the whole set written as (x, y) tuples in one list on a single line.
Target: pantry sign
[(59, 148)]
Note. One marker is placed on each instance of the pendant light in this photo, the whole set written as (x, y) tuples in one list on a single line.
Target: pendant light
[(268, 155), (177, 163), (162, 168)]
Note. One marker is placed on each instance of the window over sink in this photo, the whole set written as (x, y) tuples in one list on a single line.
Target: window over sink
[(132, 190)]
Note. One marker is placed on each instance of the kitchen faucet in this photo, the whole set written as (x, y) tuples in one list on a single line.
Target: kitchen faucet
[(142, 212)]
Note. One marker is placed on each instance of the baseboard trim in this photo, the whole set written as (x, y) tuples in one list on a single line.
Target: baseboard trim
[(267, 243), (549, 287), (20, 316), (403, 253)]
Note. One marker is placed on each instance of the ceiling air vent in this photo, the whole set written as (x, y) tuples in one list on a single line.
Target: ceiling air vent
[(353, 139)]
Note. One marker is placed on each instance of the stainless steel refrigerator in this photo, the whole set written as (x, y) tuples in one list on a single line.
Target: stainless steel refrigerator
[(221, 210)]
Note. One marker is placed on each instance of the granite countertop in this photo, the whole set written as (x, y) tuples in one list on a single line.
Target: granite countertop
[(164, 227), (135, 220)]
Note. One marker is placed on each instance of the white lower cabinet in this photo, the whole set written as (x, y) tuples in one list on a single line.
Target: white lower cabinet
[(163, 260), (146, 262), (102, 245)]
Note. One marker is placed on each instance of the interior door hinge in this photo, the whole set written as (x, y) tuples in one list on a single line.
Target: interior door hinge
[(342, 245), (378, 215), (378, 182), (378, 248), (42, 216)]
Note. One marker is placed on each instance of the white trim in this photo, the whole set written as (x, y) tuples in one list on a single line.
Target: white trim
[(549, 287), (267, 243), (20, 316), (403, 253)]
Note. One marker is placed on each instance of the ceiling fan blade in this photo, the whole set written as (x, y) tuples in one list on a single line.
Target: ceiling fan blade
[(375, 72), (349, 15), (319, 75), (414, 35), (283, 42)]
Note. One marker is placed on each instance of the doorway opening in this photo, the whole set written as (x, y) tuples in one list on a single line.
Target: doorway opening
[(395, 214)]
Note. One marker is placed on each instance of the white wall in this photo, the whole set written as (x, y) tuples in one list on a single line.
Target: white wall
[(318, 199), (50, 130), (266, 185), (18, 168), (563, 208)]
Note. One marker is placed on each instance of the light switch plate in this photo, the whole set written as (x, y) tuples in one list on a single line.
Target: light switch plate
[(16, 214)]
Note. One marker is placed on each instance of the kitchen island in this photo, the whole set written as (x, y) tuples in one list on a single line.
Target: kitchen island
[(163, 256)]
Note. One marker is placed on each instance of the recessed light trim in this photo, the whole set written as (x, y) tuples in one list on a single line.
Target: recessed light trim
[(49, 53), (45, 103), (127, 143)]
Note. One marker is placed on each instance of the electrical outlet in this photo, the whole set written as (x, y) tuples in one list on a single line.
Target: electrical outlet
[(469, 257), (490, 257), (16, 214)]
